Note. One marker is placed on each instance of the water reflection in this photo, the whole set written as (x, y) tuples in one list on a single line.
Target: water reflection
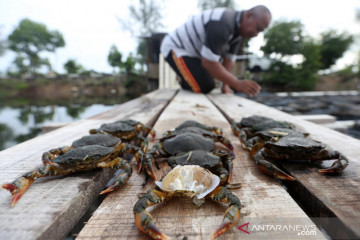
[(20, 124)]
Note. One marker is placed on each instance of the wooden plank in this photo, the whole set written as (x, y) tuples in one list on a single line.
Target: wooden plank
[(334, 201), (51, 207), (263, 198), (318, 118)]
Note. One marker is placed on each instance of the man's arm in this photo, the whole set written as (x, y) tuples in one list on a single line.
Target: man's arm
[(218, 71), (229, 65)]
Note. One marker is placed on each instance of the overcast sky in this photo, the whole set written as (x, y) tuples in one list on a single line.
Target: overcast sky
[(90, 27)]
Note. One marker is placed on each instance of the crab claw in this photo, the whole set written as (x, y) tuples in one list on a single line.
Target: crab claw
[(145, 223), (152, 132), (121, 179), (272, 170), (337, 167), (47, 158), (144, 145), (140, 156), (231, 216), (18, 188), (268, 167), (228, 144), (149, 164)]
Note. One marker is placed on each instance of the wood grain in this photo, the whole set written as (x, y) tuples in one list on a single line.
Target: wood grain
[(51, 207)]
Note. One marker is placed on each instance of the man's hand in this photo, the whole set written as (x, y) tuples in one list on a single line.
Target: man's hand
[(226, 89), (249, 87)]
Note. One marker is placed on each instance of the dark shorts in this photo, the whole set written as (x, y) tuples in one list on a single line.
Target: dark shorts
[(193, 76)]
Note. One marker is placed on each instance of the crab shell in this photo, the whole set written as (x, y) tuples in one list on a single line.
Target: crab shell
[(189, 180), (102, 139)]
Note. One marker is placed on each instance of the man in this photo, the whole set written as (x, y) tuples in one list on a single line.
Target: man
[(205, 48)]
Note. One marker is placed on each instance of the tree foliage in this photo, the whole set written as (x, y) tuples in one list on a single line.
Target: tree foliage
[(114, 57), (71, 67), (284, 38), (333, 45), (209, 4), (145, 19), (2, 45), (129, 64), (29, 39), (115, 60), (287, 39)]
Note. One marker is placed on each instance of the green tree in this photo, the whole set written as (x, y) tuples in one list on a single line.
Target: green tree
[(114, 58), (6, 134), (129, 64), (72, 67), (333, 45), (209, 4), (2, 45), (284, 39), (29, 39), (145, 19)]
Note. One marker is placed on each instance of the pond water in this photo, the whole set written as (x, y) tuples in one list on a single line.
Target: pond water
[(20, 124)]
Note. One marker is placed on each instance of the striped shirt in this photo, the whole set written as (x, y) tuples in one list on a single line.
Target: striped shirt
[(212, 35)]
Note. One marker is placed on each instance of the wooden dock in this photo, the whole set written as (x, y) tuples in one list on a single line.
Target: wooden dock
[(313, 207)]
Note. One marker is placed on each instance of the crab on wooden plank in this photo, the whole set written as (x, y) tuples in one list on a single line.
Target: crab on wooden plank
[(192, 123), (272, 134), (127, 130), (187, 141), (105, 140), (190, 181), (247, 127), (76, 160), (218, 162), (206, 133), (299, 149)]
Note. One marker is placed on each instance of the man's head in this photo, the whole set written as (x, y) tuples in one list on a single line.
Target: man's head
[(254, 20)]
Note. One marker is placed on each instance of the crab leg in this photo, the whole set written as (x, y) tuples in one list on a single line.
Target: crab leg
[(232, 214), (142, 128), (338, 166), (143, 219), (240, 133), (117, 163), (21, 184), (226, 142), (269, 168), (128, 148), (149, 164), (47, 157), (227, 160)]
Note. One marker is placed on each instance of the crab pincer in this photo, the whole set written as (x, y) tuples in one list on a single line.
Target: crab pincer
[(18, 188), (143, 220), (232, 214), (337, 167)]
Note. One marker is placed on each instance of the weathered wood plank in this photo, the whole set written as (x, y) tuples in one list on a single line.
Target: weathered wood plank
[(263, 198), (333, 200), (51, 207)]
